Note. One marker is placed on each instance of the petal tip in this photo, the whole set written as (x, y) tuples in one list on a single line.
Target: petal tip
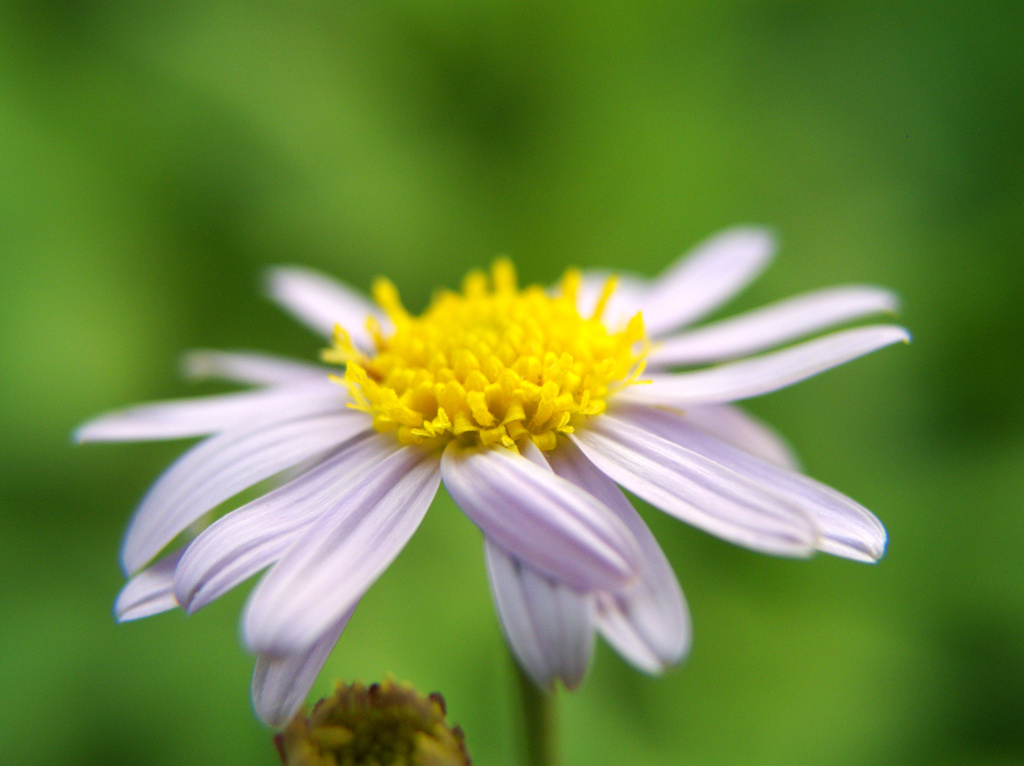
[(876, 550), (889, 302), (281, 280), (195, 365), (890, 334), (90, 431), (755, 240), (129, 610), (273, 276)]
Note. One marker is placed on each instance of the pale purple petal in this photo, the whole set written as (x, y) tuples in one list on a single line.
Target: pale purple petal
[(770, 326), (149, 592), (741, 429), (547, 624), (184, 418), (280, 684), (258, 534), (249, 368), (222, 466), (762, 374), (321, 302), (695, 489), (341, 554), (647, 622), (541, 519), (845, 527), (709, 275)]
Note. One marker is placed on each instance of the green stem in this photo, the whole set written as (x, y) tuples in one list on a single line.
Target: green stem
[(540, 725)]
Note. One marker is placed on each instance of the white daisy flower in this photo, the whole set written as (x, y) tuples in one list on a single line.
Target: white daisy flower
[(533, 407)]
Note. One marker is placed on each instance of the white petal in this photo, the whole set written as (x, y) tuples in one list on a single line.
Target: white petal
[(219, 468), (541, 519), (762, 374), (647, 622), (184, 418), (695, 489), (771, 326), (341, 554), (546, 624), (741, 429), (252, 537), (321, 302), (280, 684), (706, 277), (845, 527), (249, 368), (149, 592)]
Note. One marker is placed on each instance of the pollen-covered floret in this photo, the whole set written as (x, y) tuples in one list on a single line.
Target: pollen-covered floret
[(492, 364)]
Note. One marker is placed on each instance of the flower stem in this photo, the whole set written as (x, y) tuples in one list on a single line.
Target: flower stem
[(540, 741)]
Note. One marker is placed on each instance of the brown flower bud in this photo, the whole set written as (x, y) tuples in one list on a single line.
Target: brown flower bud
[(385, 724)]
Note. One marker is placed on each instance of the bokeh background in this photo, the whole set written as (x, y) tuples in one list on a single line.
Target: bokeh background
[(155, 158)]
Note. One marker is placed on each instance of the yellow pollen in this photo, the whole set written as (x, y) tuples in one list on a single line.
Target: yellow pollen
[(490, 365)]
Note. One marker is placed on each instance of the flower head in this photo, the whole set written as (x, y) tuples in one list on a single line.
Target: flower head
[(491, 365), (533, 407)]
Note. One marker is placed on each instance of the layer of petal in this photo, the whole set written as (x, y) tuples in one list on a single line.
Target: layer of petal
[(547, 624), (845, 527), (771, 326), (741, 429), (200, 416), (762, 374), (258, 534), (695, 489), (543, 520), (220, 467), (280, 684), (706, 277), (149, 592), (647, 622), (341, 554)]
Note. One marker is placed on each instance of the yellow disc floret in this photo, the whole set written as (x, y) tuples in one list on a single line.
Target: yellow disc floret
[(492, 365)]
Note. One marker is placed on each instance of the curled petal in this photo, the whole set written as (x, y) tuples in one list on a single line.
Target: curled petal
[(547, 624), (149, 592), (647, 622), (280, 684)]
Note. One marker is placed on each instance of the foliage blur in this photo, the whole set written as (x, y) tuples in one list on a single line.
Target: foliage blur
[(155, 158)]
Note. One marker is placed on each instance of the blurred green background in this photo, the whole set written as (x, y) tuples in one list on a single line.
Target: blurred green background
[(154, 158)]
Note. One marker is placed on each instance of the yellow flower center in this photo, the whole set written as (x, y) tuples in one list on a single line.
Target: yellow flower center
[(493, 364)]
